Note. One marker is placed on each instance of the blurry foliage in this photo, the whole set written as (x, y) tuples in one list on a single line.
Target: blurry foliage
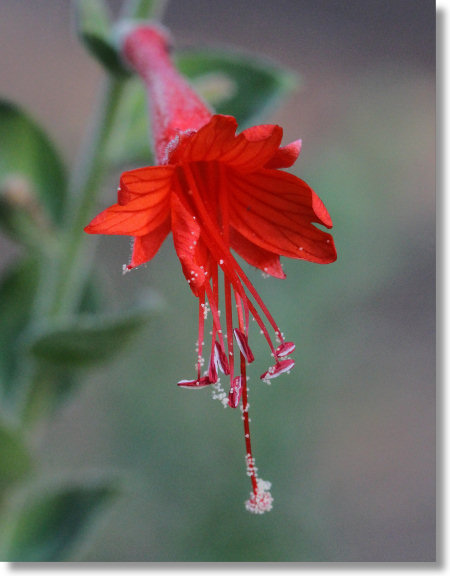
[(49, 524), (32, 179)]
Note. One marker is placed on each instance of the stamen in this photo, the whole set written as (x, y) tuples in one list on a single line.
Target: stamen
[(235, 394), (242, 342), (213, 299), (212, 370), (284, 349), (232, 271), (221, 358), (194, 384), (280, 368), (260, 500), (201, 329), (229, 323)]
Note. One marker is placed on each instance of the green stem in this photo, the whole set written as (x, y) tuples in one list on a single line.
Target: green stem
[(64, 275), (71, 270)]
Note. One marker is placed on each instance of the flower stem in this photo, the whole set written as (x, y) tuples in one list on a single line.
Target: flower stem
[(248, 444), (71, 269), (64, 272)]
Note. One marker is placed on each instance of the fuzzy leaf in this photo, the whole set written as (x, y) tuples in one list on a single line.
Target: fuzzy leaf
[(232, 83), (17, 291), (88, 339), (15, 460), (130, 140), (145, 9), (236, 84), (32, 176), (94, 30), (49, 524), (18, 287)]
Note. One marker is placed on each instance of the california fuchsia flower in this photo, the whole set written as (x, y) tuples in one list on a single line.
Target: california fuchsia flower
[(217, 192)]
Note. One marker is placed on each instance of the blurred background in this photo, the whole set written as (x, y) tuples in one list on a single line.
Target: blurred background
[(348, 439)]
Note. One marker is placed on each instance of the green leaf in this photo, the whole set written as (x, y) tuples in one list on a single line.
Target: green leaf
[(92, 299), (27, 156), (145, 9), (89, 339), (17, 292), (15, 460), (232, 83), (130, 140), (18, 287), (94, 30), (236, 84), (49, 524)]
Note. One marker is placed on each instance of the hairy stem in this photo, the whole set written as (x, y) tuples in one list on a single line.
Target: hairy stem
[(71, 269)]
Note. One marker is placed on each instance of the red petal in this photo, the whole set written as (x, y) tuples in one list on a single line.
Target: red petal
[(285, 156), (260, 132), (144, 204), (217, 141), (150, 180), (275, 211), (209, 142), (188, 245), (145, 247), (252, 154), (138, 218), (256, 256)]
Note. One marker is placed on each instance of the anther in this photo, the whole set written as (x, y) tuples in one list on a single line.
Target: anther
[(280, 368), (194, 384), (284, 349), (242, 342), (235, 394)]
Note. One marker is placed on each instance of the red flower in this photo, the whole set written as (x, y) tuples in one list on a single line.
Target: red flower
[(217, 192)]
